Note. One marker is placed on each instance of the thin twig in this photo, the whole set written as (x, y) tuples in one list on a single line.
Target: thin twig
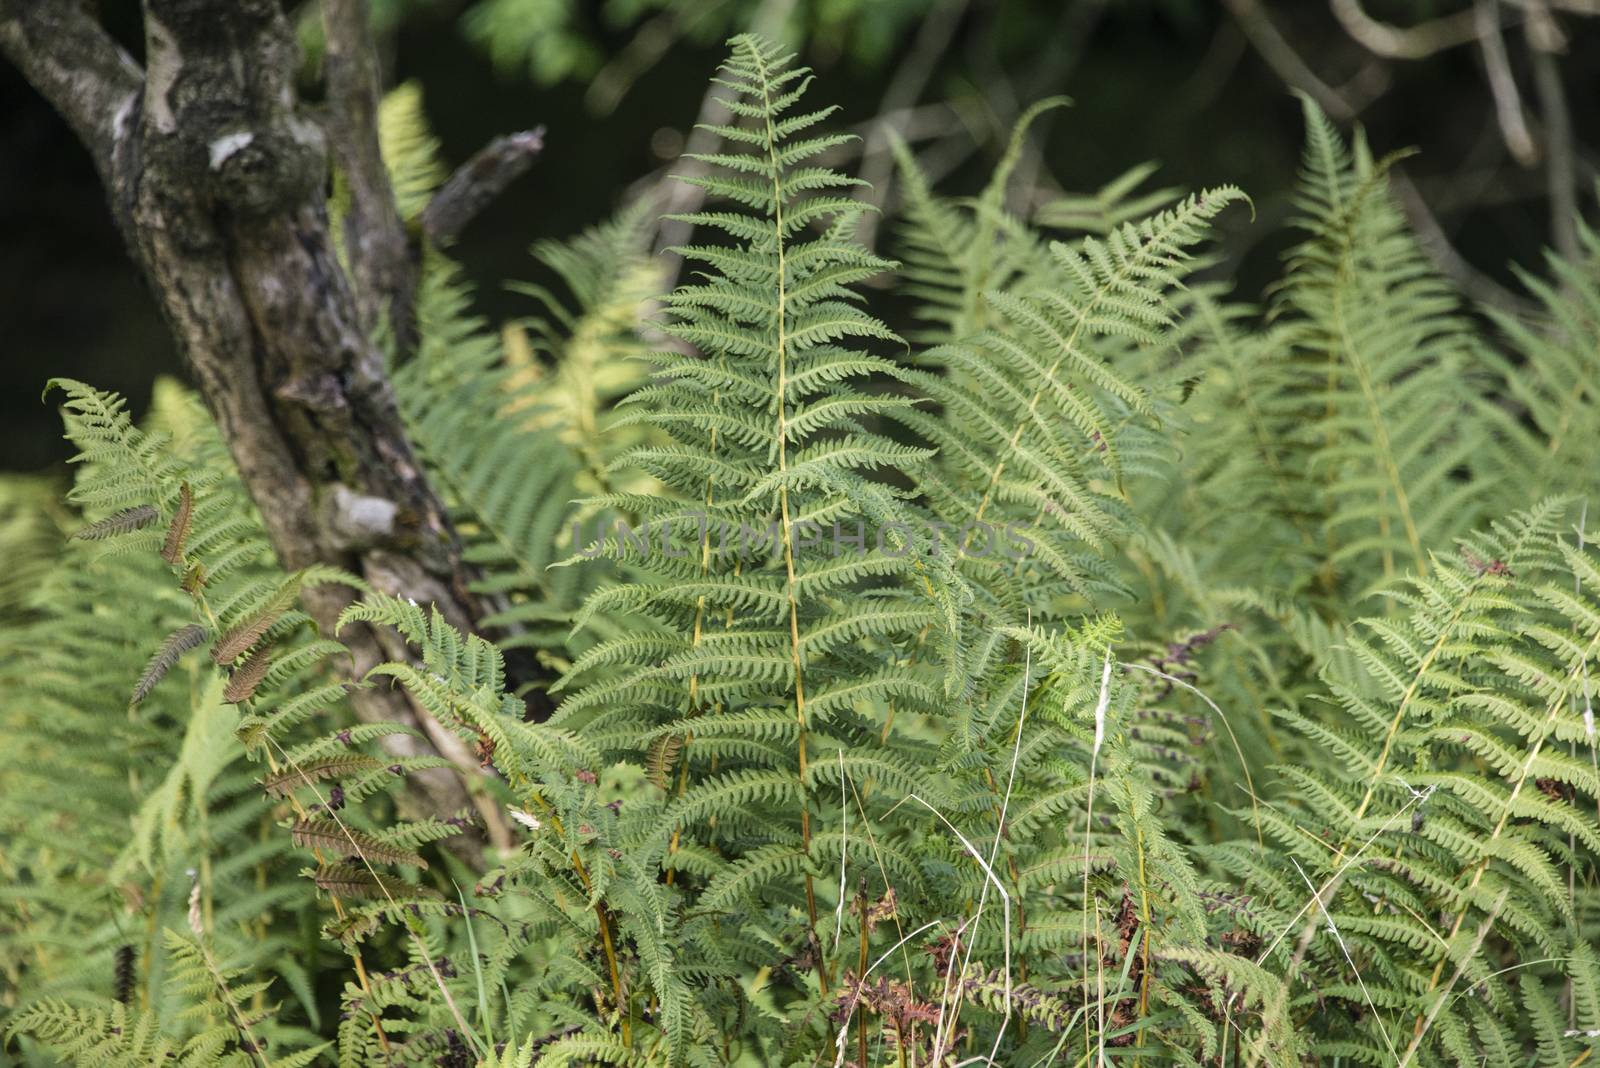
[(1284, 60), (1508, 111), (1450, 262), (479, 181), (905, 88), (1410, 42), (1543, 43)]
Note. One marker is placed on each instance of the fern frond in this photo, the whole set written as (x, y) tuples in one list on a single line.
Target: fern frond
[(190, 636)]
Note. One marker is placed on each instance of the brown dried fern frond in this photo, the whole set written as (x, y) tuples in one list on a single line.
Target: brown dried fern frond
[(347, 880), (247, 676), (178, 642), (178, 529), (285, 782), (124, 522), (247, 633), (664, 751), (312, 832)]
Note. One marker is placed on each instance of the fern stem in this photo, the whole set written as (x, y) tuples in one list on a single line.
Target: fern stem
[(783, 511), (624, 1012), (607, 945), (239, 1019), (694, 643), (861, 978), (1144, 934)]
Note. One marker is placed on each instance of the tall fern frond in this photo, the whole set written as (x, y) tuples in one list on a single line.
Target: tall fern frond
[(1384, 356), (1548, 408), (1033, 413)]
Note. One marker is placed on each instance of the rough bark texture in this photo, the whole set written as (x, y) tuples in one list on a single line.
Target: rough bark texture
[(374, 235), (219, 181)]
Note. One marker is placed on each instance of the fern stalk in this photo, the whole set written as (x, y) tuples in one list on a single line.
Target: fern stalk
[(781, 350)]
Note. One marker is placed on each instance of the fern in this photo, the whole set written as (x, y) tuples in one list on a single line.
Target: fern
[(1369, 318), (755, 417), (1271, 740)]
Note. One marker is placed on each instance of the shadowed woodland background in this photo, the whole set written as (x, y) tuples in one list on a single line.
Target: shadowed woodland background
[(1497, 96)]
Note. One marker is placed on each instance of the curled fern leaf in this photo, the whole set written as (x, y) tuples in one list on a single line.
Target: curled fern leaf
[(171, 651), (124, 522)]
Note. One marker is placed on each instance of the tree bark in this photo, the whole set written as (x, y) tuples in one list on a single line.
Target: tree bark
[(218, 180)]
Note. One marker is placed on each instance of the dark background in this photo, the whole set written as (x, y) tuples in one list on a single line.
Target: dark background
[(1172, 81)]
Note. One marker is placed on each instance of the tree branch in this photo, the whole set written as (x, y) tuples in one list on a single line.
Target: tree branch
[(218, 181), (1436, 243), (90, 81), (1410, 42), (374, 235), (1544, 41), (1258, 29), (1283, 59), (477, 182), (1503, 85)]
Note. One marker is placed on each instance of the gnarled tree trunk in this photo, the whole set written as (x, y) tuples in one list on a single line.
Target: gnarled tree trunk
[(218, 179)]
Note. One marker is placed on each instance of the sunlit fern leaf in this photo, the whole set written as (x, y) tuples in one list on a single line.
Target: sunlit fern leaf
[(410, 149)]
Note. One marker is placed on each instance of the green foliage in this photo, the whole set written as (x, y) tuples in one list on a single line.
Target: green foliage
[(1270, 741)]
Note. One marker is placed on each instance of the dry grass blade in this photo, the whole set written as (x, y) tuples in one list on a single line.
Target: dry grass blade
[(171, 651)]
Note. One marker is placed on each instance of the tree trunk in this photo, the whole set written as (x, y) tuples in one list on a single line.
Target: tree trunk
[(218, 180)]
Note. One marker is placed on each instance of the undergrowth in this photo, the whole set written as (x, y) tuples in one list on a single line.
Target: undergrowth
[(1109, 670)]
